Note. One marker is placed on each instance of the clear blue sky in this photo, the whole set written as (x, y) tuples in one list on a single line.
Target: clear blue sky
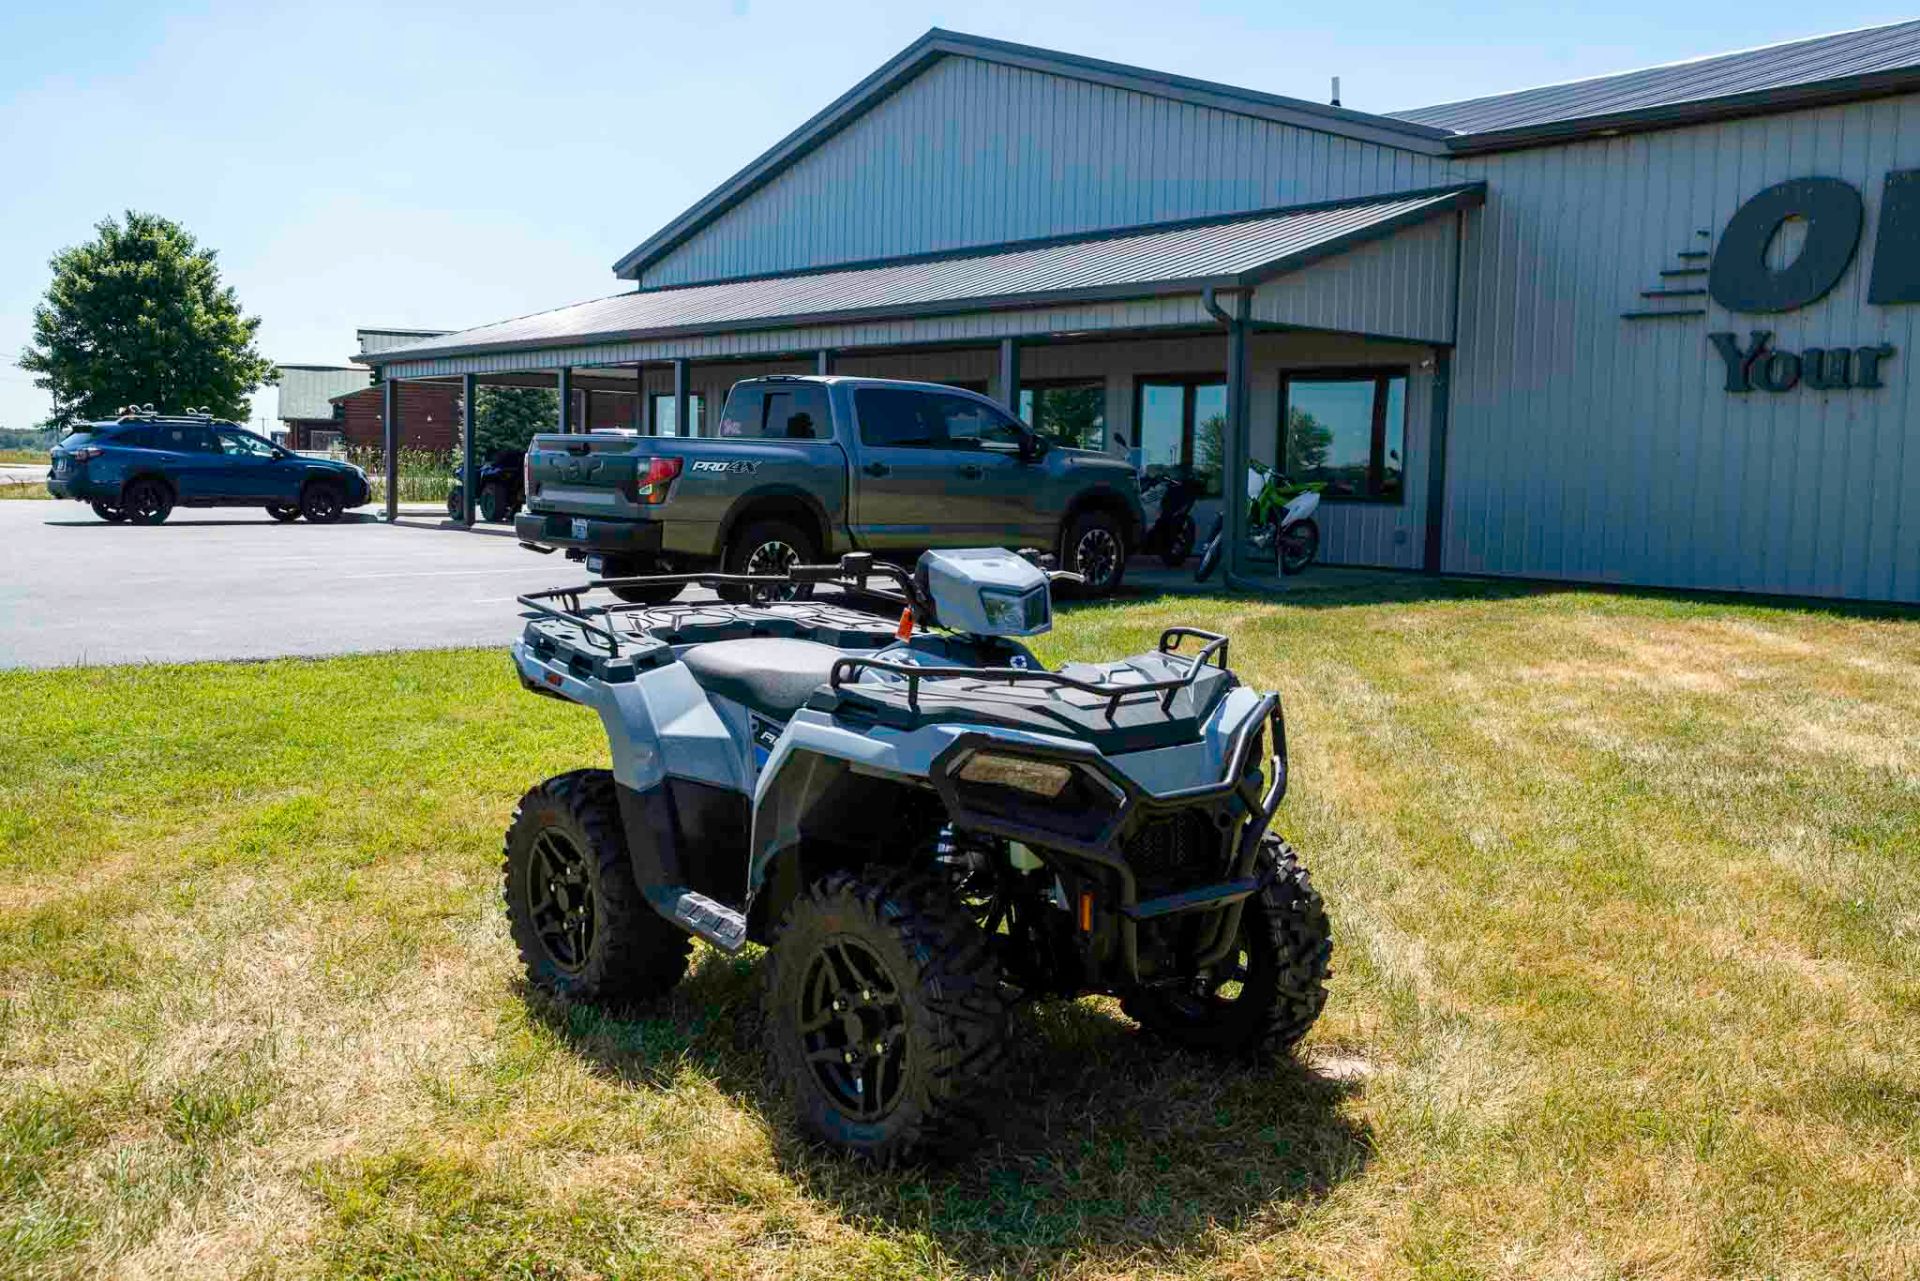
[(431, 165)]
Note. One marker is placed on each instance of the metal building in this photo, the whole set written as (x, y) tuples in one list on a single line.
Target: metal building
[(1651, 328)]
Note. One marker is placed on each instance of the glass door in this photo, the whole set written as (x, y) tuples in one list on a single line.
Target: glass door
[(1182, 424)]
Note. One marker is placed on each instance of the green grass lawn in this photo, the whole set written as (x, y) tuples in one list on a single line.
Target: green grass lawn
[(1626, 901), (23, 456)]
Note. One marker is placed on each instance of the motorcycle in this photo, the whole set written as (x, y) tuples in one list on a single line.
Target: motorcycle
[(1173, 533), (1279, 519)]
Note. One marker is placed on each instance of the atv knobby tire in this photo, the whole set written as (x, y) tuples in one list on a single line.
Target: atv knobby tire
[(921, 1006), (1280, 962), (584, 930)]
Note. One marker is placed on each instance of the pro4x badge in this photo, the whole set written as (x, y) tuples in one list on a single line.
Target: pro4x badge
[(736, 465)]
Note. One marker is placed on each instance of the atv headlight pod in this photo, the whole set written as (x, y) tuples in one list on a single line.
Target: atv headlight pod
[(1044, 795), (1011, 613)]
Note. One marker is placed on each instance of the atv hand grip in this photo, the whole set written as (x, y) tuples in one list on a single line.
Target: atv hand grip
[(814, 573)]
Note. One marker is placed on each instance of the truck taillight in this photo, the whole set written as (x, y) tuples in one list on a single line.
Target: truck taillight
[(650, 486), (526, 474)]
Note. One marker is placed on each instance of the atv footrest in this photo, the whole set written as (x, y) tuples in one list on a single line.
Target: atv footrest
[(694, 912), (1195, 900)]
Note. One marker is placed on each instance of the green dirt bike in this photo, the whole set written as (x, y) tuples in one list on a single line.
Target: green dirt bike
[(1279, 519)]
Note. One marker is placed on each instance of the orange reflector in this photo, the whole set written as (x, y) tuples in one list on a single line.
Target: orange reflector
[(553, 678), (905, 630), (1086, 911)]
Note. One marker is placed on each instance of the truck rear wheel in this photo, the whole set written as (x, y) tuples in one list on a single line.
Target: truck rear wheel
[(884, 1013), (768, 547), (583, 927), (1269, 990)]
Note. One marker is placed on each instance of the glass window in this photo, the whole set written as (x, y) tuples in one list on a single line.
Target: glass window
[(795, 412), (1182, 425), (243, 444), (1073, 414), (1347, 433), (901, 418), (186, 438), (663, 409)]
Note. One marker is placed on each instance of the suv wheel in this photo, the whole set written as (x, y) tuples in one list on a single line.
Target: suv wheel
[(582, 926), (147, 501), (322, 502), (1095, 549), (768, 547), (884, 1013), (1269, 990), (106, 511)]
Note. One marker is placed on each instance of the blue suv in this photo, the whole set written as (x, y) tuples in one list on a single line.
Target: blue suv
[(140, 467)]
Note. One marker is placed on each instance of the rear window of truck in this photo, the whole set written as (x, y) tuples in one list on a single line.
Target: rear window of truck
[(797, 411)]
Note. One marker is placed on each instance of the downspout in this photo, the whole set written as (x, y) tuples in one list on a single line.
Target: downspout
[(1233, 481)]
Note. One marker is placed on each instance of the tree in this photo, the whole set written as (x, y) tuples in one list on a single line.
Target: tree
[(507, 417), (138, 316), (1308, 441)]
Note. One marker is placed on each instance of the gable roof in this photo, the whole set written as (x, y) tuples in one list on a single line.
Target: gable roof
[(938, 44), (1776, 77), (1158, 259)]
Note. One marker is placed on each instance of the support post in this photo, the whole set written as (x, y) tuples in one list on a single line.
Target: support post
[(586, 409), (680, 415), (640, 399), (566, 400), (1234, 486), (1437, 459), (823, 361), (390, 443), (1010, 375), (469, 392)]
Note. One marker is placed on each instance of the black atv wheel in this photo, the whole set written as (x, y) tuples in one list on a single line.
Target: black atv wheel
[(492, 504), (322, 503), (283, 512), (583, 928), (1298, 545), (885, 1013), (147, 501), (453, 501), (1175, 554), (113, 513), (768, 547), (1269, 990), (1094, 548)]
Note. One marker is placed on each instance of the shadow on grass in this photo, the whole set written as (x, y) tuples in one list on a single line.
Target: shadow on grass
[(1106, 1141), (1337, 586)]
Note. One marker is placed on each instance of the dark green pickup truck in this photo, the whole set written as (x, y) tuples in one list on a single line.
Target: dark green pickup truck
[(803, 469)]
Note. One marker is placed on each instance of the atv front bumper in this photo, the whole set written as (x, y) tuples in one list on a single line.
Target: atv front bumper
[(1148, 858)]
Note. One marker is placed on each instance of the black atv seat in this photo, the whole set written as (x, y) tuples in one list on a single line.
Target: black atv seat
[(772, 675)]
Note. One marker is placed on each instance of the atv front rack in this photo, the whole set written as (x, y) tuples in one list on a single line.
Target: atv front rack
[(1114, 692)]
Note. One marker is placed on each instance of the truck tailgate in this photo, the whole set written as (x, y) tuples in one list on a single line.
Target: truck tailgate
[(590, 475)]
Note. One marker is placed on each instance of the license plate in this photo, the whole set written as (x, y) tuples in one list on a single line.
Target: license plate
[(595, 564), (579, 527)]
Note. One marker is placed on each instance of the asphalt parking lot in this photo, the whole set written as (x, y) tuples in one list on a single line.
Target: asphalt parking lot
[(232, 583)]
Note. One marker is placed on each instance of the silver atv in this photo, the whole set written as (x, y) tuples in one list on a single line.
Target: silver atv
[(919, 821)]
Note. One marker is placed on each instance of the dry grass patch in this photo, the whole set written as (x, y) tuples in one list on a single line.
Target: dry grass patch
[(1625, 898)]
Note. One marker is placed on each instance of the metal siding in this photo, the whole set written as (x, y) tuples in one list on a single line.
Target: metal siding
[(1400, 287), (974, 153), (308, 394), (1588, 446)]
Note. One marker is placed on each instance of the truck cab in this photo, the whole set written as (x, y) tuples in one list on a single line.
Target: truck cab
[(805, 468)]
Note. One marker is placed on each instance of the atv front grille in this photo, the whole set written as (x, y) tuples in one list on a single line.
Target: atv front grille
[(1177, 851)]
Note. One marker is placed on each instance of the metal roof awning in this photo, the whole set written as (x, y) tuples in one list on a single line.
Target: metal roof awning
[(1237, 252)]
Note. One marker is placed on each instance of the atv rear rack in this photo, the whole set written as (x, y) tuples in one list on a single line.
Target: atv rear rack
[(571, 610), (1215, 648)]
